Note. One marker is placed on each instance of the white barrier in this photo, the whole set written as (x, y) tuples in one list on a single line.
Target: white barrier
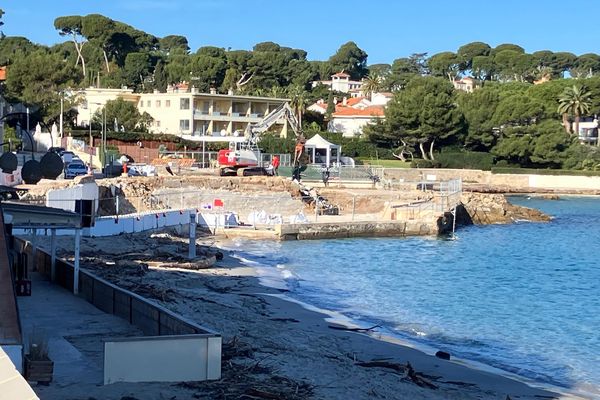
[(110, 226), (162, 359)]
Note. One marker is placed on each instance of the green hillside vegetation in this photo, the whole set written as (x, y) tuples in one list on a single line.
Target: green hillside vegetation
[(508, 122)]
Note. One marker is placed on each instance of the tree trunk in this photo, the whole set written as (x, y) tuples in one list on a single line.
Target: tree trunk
[(565, 122), (423, 152), (431, 150), (106, 61), (576, 124), (78, 48)]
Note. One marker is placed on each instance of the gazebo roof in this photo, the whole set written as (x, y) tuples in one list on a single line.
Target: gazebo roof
[(319, 142)]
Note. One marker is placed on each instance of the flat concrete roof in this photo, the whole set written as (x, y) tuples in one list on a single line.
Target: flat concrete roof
[(25, 215)]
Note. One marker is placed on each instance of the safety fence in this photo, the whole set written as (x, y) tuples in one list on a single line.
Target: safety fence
[(208, 159)]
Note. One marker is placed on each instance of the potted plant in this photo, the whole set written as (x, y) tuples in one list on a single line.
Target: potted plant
[(38, 366)]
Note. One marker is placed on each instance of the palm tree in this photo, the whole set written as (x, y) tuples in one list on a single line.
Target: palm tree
[(372, 84), (574, 100), (298, 101)]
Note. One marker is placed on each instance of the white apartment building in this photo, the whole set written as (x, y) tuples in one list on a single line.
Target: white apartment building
[(93, 99), (189, 113)]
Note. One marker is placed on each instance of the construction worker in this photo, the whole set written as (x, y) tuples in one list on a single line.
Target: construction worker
[(275, 164)]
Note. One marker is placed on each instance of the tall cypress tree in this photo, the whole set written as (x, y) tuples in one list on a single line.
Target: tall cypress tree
[(160, 77)]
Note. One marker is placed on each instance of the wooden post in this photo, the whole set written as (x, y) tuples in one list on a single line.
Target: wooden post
[(192, 249), (53, 255), (76, 263), (33, 248)]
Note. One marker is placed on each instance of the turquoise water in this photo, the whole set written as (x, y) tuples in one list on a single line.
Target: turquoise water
[(524, 298)]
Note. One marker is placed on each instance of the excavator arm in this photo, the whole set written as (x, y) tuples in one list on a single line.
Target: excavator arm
[(253, 131)]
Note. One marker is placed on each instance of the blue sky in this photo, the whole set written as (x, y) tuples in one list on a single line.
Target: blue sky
[(385, 29)]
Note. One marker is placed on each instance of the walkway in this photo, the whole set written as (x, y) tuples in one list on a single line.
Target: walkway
[(75, 330)]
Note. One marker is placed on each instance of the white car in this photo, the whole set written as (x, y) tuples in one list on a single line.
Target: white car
[(75, 169)]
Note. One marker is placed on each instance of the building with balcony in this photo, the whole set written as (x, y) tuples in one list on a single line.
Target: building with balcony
[(189, 113), (341, 82), (195, 114)]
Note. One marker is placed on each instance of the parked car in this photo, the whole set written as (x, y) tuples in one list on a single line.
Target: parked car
[(57, 150), (67, 156), (75, 169), (76, 160)]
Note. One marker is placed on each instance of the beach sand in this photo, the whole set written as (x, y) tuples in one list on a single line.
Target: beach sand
[(272, 346)]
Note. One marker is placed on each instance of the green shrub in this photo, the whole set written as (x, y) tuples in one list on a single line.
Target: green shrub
[(466, 160), (419, 163)]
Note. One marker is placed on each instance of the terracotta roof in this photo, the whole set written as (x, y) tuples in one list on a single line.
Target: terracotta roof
[(2, 73), (341, 74), (354, 101), (373, 111)]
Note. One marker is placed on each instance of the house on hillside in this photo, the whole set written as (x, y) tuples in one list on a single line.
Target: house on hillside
[(350, 121), (352, 114), (466, 84), (588, 130), (341, 82)]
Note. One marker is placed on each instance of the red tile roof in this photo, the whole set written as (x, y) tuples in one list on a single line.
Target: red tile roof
[(354, 101), (2, 73), (373, 111)]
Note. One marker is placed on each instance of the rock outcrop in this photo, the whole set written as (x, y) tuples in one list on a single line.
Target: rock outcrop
[(482, 208)]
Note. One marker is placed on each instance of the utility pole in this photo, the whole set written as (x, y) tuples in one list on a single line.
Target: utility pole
[(62, 106)]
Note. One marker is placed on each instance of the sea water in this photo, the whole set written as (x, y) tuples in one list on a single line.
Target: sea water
[(523, 298)]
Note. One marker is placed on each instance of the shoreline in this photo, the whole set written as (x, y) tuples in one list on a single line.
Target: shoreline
[(296, 337), (337, 318)]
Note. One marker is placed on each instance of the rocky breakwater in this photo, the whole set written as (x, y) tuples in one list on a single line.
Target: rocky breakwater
[(483, 208)]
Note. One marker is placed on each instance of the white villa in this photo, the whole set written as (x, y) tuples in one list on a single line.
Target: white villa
[(187, 112), (351, 115), (588, 130), (341, 82), (466, 84)]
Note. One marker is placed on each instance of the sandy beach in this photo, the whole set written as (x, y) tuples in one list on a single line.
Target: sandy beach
[(272, 346)]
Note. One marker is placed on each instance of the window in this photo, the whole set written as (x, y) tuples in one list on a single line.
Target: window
[(184, 104), (184, 124), (158, 124), (157, 103), (142, 103), (167, 103), (148, 103)]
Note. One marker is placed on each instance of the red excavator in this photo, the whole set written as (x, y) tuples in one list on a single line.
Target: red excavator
[(242, 158)]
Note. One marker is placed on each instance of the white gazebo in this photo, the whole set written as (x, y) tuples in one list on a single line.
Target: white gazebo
[(321, 151)]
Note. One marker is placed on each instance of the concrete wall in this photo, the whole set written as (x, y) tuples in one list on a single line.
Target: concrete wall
[(15, 354), (65, 198), (162, 359), (354, 229), (515, 181), (12, 385), (564, 182)]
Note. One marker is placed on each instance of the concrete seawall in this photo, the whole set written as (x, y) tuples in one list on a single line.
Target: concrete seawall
[(510, 181), (337, 230)]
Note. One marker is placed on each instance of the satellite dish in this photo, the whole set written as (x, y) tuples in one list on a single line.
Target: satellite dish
[(31, 172), (8, 162), (51, 165)]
